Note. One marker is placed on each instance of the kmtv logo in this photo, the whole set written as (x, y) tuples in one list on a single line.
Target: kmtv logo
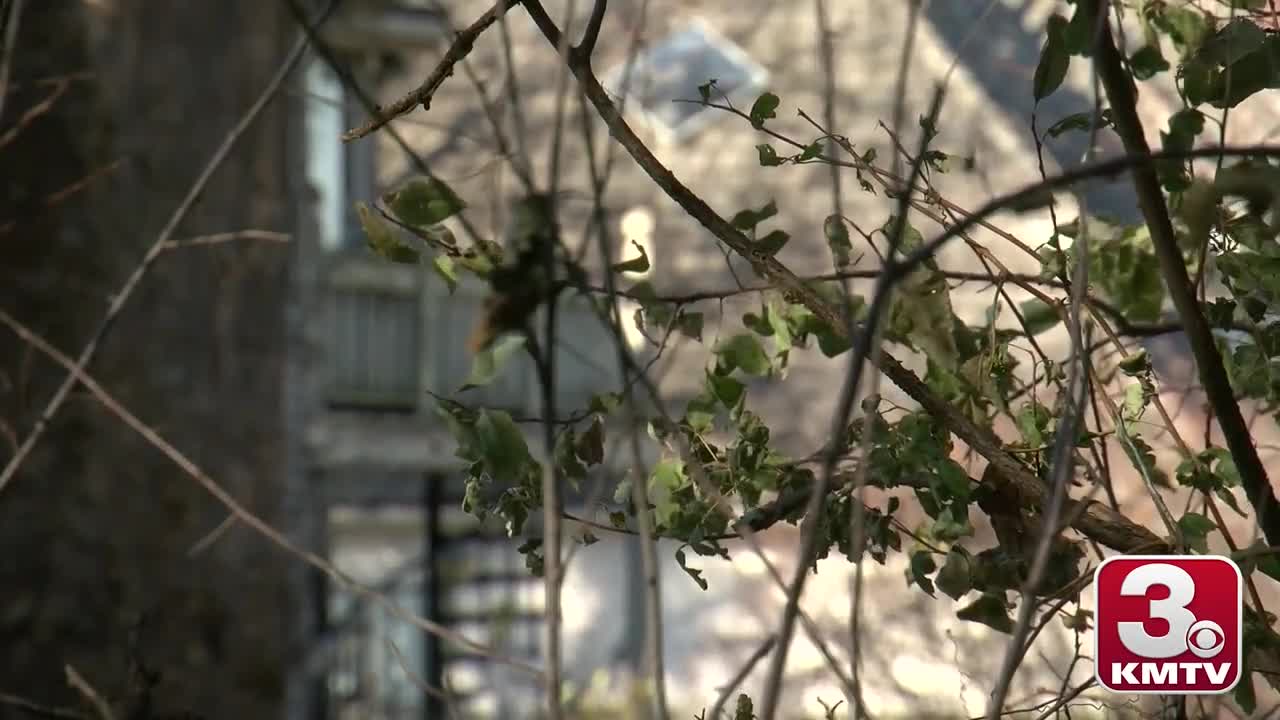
[(1167, 624)]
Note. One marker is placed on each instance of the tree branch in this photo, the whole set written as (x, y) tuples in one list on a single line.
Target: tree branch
[(1095, 520), (421, 95), (592, 33), (1213, 375)]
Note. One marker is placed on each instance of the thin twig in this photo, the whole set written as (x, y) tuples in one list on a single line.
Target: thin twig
[(654, 656), (39, 709), (242, 514), (441, 694), (228, 237), (350, 83), (741, 675), (212, 536), (34, 112), (866, 349), (58, 196), (157, 248), (82, 686), (421, 95), (592, 33), (1097, 521), (1070, 418), (1213, 375), (8, 48)]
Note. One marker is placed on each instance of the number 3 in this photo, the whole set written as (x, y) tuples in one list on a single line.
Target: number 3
[(1172, 609)]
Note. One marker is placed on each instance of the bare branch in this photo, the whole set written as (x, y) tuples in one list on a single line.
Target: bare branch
[(421, 95), (238, 511), (1097, 521), (157, 248), (592, 33), (742, 674), (228, 237), (82, 686), (35, 111), (39, 709), (8, 46), (1213, 375)]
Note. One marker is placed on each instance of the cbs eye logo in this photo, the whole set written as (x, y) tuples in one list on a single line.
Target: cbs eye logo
[(1168, 624)]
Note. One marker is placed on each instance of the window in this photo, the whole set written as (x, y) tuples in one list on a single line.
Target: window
[(674, 68), (375, 341), (393, 332), (436, 561), (379, 659), (339, 173)]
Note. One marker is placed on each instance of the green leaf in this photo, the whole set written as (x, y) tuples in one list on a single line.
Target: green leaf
[(692, 572), (1136, 364), (768, 156), (605, 403), (838, 240), (566, 457), (534, 562), (667, 479), (1144, 460), (948, 527), (773, 242), (811, 151), (382, 239), (1054, 60), (1136, 400), (1264, 559), (727, 390), (443, 266), (1235, 40), (704, 90), (1082, 122), (423, 202), (1038, 316), (1184, 126), (700, 415), (937, 160), (623, 491), (1186, 26), (1079, 36), (489, 362), (1201, 81), (690, 324), (744, 352), (1033, 421), (1195, 530), (956, 576), (921, 310), (918, 572), (764, 108), (590, 445), (1257, 71), (501, 446), (1122, 262), (747, 220), (1147, 62), (634, 265), (990, 610)]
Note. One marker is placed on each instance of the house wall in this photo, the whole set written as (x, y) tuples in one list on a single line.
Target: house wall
[(916, 655)]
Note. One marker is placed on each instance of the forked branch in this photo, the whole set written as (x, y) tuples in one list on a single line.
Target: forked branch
[(1095, 520)]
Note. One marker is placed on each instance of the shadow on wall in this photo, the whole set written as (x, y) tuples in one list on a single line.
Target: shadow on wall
[(1005, 68)]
